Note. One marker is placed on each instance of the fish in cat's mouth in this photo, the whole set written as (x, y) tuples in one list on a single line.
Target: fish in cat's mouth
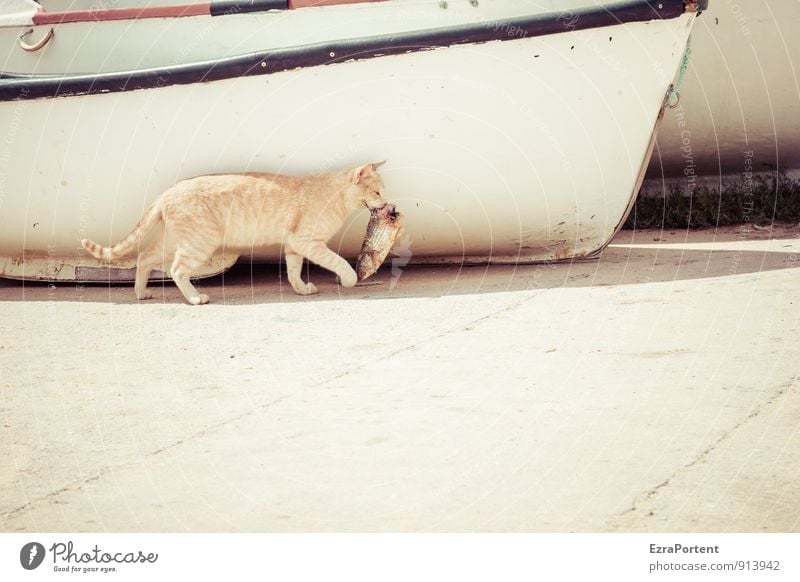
[(382, 231)]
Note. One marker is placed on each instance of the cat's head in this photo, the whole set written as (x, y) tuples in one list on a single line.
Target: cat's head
[(366, 187)]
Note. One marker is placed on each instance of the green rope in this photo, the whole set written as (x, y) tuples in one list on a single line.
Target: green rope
[(675, 96)]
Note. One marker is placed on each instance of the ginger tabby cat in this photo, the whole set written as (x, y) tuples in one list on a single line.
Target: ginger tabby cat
[(196, 217)]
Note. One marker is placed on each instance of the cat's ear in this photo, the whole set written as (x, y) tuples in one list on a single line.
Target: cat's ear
[(361, 171), (376, 165)]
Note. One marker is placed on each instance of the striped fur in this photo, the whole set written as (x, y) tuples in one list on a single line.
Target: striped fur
[(195, 218), (126, 246)]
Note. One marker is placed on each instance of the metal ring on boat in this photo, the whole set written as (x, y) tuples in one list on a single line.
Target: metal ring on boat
[(36, 46)]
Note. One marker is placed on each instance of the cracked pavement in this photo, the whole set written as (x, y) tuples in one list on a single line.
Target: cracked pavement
[(653, 390)]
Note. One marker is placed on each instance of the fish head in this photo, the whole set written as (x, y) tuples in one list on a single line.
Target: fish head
[(366, 189), (392, 214)]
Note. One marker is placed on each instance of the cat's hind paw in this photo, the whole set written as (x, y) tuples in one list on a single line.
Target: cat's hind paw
[(144, 295), (201, 299), (309, 289)]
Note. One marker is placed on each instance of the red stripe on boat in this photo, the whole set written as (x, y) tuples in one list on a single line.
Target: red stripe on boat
[(122, 13), (161, 11)]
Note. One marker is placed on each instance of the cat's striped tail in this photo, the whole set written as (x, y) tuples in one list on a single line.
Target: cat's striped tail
[(131, 242)]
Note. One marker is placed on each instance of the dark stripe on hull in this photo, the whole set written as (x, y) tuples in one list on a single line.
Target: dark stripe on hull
[(16, 87), (223, 7)]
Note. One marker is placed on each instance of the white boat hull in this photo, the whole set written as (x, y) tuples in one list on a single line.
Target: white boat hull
[(529, 149)]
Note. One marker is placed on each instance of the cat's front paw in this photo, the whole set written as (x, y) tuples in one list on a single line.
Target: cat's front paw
[(349, 280), (144, 295), (201, 299)]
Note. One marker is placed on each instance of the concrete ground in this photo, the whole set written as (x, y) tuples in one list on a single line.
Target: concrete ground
[(653, 390)]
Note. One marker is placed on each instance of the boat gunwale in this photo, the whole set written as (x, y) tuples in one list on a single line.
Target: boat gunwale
[(212, 8), (16, 87)]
